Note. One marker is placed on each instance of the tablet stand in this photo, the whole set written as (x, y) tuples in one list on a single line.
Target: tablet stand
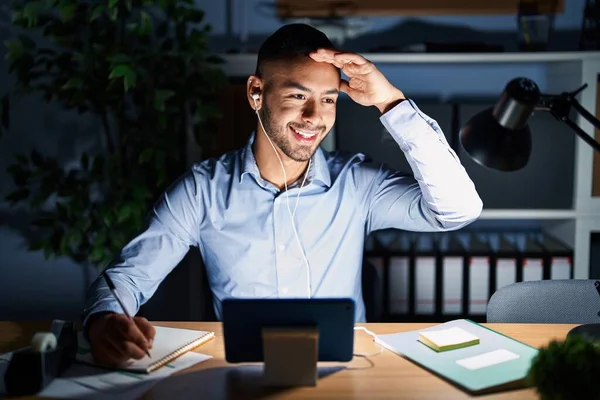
[(290, 356)]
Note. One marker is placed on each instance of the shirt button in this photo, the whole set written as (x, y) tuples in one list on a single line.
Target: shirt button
[(282, 247), (284, 290)]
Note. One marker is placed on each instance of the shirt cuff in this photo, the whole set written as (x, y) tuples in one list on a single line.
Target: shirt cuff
[(406, 122)]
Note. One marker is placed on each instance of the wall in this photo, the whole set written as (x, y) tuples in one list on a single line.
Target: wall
[(32, 288)]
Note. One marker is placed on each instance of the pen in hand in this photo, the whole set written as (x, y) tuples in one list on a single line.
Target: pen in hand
[(113, 289)]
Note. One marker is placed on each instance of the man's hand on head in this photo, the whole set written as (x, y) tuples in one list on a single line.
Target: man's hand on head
[(367, 86)]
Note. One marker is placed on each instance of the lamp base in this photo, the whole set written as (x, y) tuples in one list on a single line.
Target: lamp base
[(588, 331)]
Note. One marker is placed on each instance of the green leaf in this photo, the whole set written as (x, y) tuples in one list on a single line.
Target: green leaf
[(124, 213), (67, 11), (145, 23), (15, 49), (74, 238), (30, 12), (127, 73), (97, 12), (160, 97), (73, 83), (96, 254), (112, 3)]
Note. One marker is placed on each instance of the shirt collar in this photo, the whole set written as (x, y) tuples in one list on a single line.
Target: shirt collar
[(319, 170)]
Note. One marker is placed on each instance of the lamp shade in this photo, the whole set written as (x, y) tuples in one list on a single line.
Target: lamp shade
[(499, 137)]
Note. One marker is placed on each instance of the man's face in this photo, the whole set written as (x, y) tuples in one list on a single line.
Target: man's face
[(298, 108)]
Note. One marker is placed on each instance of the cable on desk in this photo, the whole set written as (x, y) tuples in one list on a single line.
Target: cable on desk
[(362, 328)]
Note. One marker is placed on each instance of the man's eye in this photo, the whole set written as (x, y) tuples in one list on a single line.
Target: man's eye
[(330, 101), (298, 96)]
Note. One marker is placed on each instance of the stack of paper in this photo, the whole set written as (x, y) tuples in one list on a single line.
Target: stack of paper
[(448, 339)]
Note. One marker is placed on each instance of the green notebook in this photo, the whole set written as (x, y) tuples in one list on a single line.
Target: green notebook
[(496, 363)]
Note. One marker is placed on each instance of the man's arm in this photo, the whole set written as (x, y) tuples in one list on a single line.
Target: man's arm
[(439, 197), (171, 228)]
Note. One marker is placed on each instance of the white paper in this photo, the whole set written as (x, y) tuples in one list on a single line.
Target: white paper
[(487, 359), (83, 381), (450, 336)]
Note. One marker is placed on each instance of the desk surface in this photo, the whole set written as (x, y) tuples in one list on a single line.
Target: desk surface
[(387, 376)]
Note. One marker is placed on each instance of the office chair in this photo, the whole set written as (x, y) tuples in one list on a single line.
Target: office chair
[(566, 301)]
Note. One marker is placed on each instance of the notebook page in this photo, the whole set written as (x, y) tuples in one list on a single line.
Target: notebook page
[(166, 341)]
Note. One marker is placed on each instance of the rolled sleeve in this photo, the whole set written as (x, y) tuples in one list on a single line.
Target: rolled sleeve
[(439, 196)]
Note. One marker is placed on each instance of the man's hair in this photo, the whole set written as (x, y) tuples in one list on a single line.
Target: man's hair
[(290, 41)]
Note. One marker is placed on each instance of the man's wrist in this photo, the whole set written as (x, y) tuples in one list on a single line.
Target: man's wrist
[(396, 98), (91, 319)]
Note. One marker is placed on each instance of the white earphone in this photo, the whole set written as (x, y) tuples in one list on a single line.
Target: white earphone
[(255, 97)]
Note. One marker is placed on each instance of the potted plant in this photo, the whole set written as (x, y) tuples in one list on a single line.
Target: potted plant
[(567, 370), (141, 69)]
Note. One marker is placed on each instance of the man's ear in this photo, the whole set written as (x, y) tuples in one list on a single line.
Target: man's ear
[(254, 91)]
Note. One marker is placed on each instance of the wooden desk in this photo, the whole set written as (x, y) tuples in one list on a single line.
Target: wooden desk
[(389, 376)]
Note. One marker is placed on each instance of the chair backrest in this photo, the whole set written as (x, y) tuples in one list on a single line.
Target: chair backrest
[(567, 301)]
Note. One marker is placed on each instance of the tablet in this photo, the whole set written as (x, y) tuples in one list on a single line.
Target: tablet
[(244, 319)]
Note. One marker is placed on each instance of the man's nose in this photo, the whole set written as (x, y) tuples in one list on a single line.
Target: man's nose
[(311, 113)]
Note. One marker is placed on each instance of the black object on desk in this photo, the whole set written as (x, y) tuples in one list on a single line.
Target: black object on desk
[(31, 371), (590, 331)]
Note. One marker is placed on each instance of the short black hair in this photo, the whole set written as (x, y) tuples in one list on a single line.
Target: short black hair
[(290, 41)]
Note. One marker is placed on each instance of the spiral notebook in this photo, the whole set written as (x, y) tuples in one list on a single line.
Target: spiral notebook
[(169, 343)]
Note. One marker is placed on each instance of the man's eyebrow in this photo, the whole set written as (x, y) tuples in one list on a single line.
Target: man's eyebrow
[(296, 85)]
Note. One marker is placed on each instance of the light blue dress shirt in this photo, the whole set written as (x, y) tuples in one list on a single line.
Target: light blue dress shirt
[(242, 227)]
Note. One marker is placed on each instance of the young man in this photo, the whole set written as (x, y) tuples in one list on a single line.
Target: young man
[(281, 217)]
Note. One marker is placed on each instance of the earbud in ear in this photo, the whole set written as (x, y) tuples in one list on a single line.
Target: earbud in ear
[(255, 97)]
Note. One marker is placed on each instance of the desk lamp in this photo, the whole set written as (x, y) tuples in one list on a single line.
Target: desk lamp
[(499, 138)]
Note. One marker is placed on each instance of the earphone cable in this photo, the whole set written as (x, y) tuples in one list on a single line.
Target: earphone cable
[(309, 284)]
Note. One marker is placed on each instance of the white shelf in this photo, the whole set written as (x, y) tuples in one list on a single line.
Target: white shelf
[(244, 64), (528, 214)]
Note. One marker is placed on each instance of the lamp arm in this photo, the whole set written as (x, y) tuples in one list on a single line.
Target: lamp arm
[(585, 114), (581, 133), (560, 105)]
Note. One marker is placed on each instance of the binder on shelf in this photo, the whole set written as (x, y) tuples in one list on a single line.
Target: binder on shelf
[(388, 252), (422, 274), (482, 280), (531, 259), (558, 257), (396, 290), (452, 279), (503, 263)]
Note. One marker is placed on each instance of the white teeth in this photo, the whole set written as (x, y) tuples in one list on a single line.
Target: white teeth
[(304, 135)]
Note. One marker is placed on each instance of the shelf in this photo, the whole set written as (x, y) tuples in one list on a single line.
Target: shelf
[(243, 64), (529, 214)]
